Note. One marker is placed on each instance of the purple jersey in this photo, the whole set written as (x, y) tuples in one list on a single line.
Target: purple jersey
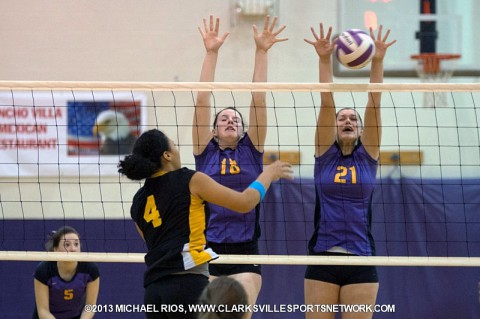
[(344, 187), (235, 169), (66, 298)]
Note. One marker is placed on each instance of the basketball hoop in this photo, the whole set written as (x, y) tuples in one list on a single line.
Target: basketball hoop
[(435, 68), (429, 65)]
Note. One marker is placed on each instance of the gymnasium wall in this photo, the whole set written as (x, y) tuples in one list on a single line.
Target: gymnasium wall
[(158, 40)]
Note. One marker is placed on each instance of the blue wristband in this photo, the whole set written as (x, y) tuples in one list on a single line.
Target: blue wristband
[(259, 187)]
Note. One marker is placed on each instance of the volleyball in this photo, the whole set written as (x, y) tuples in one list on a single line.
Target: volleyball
[(354, 48)]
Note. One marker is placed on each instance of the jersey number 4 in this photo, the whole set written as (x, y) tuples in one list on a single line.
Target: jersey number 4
[(151, 213)]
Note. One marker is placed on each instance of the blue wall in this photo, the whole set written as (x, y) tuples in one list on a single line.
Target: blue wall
[(411, 218)]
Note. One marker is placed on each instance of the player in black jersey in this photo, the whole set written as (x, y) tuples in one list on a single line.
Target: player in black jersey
[(169, 213)]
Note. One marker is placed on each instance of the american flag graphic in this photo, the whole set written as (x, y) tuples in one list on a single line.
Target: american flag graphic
[(81, 119)]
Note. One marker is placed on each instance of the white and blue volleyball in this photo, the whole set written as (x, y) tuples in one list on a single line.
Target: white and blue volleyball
[(354, 48)]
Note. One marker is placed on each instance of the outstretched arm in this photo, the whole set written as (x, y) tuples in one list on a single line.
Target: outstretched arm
[(201, 131), (325, 131), (203, 186), (258, 113), (372, 132)]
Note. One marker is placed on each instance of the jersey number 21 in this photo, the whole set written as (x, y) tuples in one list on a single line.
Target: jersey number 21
[(342, 175)]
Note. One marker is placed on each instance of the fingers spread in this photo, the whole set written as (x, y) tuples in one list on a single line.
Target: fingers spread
[(265, 25), (386, 36), (314, 33), (217, 25), (279, 30), (329, 33)]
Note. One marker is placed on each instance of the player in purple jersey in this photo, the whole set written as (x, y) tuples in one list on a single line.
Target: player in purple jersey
[(346, 158), (63, 288), (232, 156), (169, 213)]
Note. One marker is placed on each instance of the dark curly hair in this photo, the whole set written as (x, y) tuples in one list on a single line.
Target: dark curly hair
[(146, 155)]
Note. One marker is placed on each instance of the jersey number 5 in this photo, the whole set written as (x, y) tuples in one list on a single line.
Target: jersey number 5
[(68, 294), (151, 213), (342, 172)]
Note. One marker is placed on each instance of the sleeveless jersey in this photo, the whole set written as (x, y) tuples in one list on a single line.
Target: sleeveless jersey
[(66, 298), (235, 169), (344, 187), (173, 223)]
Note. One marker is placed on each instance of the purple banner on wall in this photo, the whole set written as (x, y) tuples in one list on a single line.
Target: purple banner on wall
[(410, 218)]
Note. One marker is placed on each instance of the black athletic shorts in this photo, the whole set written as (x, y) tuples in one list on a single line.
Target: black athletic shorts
[(169, 293), (250, 248), (341, 275)]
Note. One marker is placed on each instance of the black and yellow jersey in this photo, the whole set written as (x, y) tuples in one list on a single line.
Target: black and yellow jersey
[(173, 223)]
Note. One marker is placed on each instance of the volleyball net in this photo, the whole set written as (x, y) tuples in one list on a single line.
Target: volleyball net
[(61, 143)]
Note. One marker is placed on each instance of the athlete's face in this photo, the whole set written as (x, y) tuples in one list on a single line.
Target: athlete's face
[(229, 126), (69, 243), (348, 125), (175, 155)]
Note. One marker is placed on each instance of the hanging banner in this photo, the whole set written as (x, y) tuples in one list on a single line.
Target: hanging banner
[(45, 133)]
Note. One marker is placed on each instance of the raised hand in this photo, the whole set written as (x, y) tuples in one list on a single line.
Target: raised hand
[(268, 37), (279, 169), (381, 44), (323, 44), (210, 35)]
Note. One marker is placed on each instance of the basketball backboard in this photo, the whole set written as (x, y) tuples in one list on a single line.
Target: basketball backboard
[(455, 23)]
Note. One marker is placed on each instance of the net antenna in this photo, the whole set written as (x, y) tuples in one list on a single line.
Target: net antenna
[(432, 67)]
